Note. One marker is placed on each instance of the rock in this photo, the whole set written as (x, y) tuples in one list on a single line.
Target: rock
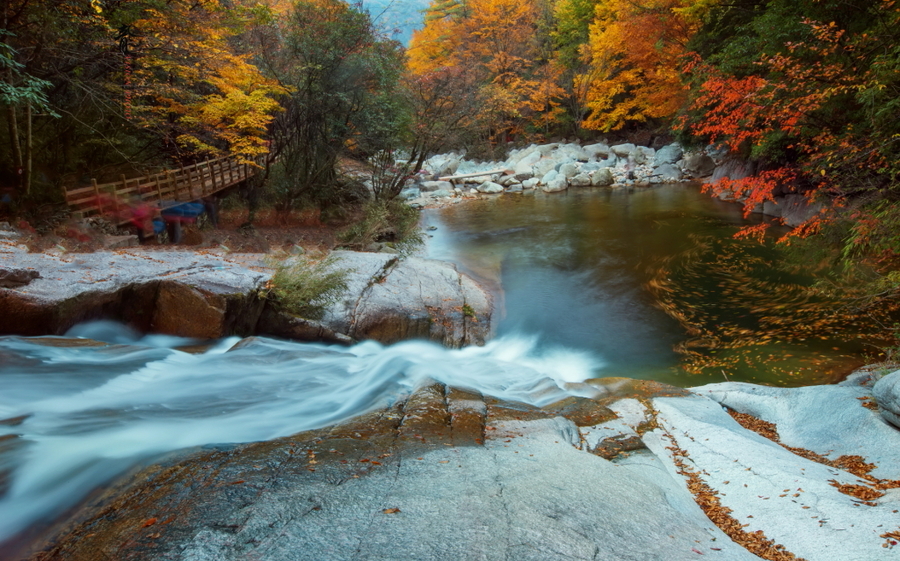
[(490, 187), (667, 173), (209, 296), (524, 166), (602, 178), (544, 166), (444, 164), (887, 396), (643, 154), (622, 150), (431, 186), (221, 296), (546, 149), (14, 278), (572, 152), (774, 207), (441, 194), (698, 164), (669, 154), (792, 500), (597, 151), (410, 194), (508, 180), (391, 299), (556, 185), (797, 210), (580, 180), (443, 474), (549, 176), (568, 169), (530, 183), (514, 188), (733, 169)]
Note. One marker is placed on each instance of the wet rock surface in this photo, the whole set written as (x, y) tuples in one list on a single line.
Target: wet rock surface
[(443, 474), (210, 295), (446, 473)]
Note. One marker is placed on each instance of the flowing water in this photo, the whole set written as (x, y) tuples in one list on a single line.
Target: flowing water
[(653, 283), (646, 283)]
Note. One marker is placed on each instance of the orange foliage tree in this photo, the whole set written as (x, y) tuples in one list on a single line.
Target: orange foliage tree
[(496, 42), (635, 51), (815, 112)]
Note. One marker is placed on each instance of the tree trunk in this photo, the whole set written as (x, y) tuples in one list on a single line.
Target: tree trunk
[(26, 180)]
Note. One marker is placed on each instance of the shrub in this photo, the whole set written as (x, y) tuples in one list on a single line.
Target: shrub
[(306, 287)]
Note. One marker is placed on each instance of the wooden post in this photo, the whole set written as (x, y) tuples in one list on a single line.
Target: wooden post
[(158, 189), (212, 176), (173, 183), (190, 178)]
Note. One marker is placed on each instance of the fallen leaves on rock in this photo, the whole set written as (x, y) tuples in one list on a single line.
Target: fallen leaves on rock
[(871, 488), (391, 510)]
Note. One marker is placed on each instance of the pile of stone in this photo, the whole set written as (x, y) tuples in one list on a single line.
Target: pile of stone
[(557, 167)]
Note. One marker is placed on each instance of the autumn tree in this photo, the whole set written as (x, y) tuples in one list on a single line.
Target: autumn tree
[(342, 81), (134, 83), (811, 95), (635, 51), (498, 43)]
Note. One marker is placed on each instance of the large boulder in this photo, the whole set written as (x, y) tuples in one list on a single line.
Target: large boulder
[(392, 299), (211, 295), (556, 185), (549, 176), (568, 169), (798, 209), (544, 166), (733, 169), (643, 155), (490, 187), (580, 180), (667, 173), (698, 164), (669, 154), (602, 178), (622, 150), (887, 396), (179, 293), (441, 474), (636, 471), (598, 151)]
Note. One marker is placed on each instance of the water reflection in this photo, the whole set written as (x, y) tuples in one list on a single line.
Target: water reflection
[(652, 280)]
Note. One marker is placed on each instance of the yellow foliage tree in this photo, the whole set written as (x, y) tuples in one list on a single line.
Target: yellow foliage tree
[(496, 42), (634, 53), (189, 82)]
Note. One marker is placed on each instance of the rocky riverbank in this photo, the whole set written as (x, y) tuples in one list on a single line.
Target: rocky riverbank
[(633, 470), (557, 167), (211, 294)]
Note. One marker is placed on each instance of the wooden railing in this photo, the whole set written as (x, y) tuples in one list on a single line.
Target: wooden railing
[(163, 189)]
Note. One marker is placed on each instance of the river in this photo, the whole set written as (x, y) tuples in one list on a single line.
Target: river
[(643, 283)]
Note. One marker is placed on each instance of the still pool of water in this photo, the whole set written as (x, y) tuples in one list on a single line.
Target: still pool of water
[(652, 281)]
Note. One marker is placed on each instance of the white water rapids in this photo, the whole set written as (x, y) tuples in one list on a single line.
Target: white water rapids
[(91, 412)]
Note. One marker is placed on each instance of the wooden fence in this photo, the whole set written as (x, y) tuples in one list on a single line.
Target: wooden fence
[(164, 189)]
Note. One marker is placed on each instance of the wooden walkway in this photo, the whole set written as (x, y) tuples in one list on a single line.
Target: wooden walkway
[(164, 189)]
